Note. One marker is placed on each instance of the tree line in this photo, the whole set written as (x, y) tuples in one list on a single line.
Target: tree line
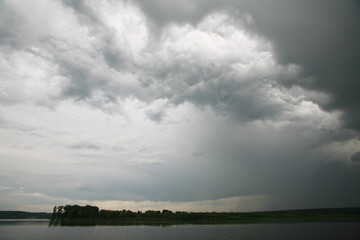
[(70, 214), (91, 215), (24, 215), (93, 212)]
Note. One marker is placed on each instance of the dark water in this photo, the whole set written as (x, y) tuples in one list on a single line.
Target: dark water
[(15, 230)]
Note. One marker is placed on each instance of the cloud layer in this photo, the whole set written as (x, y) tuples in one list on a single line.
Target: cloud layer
[(121, 102)]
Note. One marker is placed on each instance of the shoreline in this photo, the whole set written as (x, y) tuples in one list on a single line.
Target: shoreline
[(163, 222)]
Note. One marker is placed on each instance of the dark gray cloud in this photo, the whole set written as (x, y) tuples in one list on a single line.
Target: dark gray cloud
[(85, 145), (329, 184), (355, 157), (161, 12), (335, 182), (321, 36), (155, 116)]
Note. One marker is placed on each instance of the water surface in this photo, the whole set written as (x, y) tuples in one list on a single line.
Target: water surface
[(39, 230)]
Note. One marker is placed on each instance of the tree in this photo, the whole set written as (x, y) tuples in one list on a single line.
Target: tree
[(53, 215), (59, 212)]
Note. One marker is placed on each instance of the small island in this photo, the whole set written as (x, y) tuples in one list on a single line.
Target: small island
[(91, 215)]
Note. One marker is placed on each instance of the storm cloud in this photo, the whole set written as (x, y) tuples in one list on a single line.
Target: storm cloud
[(322, 37), (230, 105)]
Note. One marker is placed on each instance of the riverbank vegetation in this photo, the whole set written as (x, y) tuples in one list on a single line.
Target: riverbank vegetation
[(91, 215)]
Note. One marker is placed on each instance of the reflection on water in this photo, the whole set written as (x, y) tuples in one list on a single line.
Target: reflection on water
[(38, 229)]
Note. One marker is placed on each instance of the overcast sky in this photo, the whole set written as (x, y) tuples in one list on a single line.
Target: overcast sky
[(186, 105)]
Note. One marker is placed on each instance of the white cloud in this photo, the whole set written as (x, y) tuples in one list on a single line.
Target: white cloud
[(127, 24), (27, 76)]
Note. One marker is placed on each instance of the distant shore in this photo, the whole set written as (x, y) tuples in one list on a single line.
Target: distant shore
[(90, 215), (24, 215)]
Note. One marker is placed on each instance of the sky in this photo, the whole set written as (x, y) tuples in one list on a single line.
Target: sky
[(204, 105)]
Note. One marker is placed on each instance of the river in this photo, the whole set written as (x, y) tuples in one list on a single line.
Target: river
[(39, 230)]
